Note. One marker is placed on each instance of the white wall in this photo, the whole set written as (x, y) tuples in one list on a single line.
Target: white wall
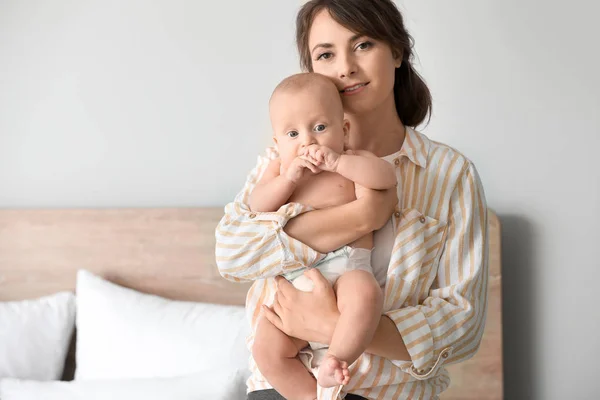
[(136, 103), (118, 104)]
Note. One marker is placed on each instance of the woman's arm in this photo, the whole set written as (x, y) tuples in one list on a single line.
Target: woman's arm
[(447, 326), (329, 229)]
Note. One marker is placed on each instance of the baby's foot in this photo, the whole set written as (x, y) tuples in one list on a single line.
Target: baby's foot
[(333, 372)]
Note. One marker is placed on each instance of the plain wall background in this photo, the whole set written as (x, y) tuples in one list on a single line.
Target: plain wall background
[(156, 104)]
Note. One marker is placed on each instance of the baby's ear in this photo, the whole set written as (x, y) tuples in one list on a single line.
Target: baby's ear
[(346, 128), (275, 140)]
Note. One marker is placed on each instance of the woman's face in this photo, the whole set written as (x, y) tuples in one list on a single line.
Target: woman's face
[(362, 68)]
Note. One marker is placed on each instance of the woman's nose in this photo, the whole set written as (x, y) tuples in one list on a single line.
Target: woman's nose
[(347, 66)]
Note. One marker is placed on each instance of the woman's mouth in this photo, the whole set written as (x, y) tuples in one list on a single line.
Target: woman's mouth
[(350, 90)]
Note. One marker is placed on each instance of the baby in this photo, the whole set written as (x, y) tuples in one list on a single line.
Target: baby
[(310, 133)]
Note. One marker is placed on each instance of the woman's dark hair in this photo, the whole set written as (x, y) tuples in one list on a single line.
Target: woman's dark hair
[(381, 20)]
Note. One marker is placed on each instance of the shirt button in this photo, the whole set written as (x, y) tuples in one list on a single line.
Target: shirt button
[(397, 161), (445, 355), (252, 215), (422, 219), (397, 214)]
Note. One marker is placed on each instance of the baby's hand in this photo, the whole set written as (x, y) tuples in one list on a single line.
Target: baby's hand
[(323, 157), (297, 168)]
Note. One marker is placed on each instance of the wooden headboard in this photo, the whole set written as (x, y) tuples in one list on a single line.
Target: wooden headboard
[(170, 252)]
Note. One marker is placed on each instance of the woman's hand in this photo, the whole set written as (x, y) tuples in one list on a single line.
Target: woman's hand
[(379, 205), (309, 316)]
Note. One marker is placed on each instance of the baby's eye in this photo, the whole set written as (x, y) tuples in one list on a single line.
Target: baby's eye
[(320, 128), (293, 134)]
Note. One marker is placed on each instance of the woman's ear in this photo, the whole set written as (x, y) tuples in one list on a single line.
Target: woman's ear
[(397, 58)]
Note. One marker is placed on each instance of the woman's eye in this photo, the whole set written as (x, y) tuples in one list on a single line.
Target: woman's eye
[(324, 56), (364, 45), (293, 134), (320, 128)]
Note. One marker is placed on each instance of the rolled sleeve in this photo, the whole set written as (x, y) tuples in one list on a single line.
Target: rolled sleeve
[(253, 245)]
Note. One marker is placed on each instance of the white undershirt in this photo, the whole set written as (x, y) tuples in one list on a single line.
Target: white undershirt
[(383, 240)]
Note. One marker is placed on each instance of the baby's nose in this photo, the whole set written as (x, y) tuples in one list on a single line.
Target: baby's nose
[(308, 140)]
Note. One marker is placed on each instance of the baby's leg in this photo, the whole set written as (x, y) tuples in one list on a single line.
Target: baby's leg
[(360, 301), (276, 354)]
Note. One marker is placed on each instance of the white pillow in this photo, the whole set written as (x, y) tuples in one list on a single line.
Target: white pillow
[(35, 336), (124, 334), (214, 385)]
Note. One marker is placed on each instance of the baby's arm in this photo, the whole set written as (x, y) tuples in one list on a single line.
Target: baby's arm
[(362, 167), (367, 170), (275, 187), (272, 190)]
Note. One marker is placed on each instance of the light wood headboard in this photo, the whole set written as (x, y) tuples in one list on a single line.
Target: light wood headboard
[(170, 252)]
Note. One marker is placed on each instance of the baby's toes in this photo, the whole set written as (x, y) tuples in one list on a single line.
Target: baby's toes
[(340, 377), (346, 380)]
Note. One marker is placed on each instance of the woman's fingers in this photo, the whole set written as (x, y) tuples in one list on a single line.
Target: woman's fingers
[(276, 305), (272, 317), (317, 278), (285, 290)]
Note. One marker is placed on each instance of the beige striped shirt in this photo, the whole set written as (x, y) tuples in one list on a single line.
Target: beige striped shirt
[(436, 288)]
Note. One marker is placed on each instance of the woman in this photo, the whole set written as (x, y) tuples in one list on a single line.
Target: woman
[(430, 254)]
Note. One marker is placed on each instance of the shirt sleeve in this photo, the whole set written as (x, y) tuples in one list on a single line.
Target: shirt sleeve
[(448, 325), (253, 245)]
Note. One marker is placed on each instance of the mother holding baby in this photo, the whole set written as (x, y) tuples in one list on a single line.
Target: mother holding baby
[(430, 231)]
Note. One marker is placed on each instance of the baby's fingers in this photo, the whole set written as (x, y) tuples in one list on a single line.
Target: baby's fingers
[(311, 160), (312, 149), (320, 155), (309, 164)]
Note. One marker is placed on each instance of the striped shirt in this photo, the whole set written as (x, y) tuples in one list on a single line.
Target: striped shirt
[(436, 287)]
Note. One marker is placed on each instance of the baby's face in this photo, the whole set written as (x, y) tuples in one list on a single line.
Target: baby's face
[(312, 115)]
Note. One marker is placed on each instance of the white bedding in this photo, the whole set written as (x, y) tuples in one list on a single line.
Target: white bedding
[(213, 385), (132, 345), (125, 334), (35, 336)]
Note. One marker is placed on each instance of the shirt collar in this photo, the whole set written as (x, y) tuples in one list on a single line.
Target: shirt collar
[(415, 147)]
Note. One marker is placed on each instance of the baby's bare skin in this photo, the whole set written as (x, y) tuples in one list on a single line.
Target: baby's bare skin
[(323, 190), (328, 189)]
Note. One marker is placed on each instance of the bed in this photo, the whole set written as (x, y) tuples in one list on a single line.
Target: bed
[(170, 253)]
